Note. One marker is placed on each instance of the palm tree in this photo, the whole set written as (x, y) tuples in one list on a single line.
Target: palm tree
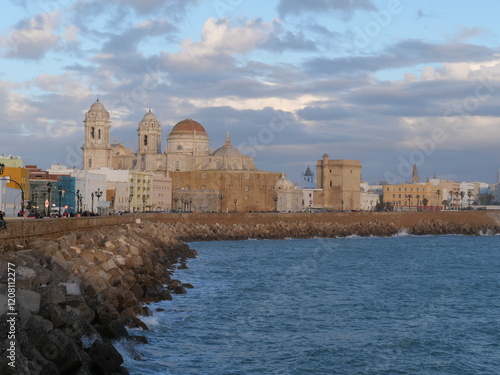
[(470, 194), (445, 203), (425, 201), (462, 194), (457, 194), (418, 201), (451, 200), (438, 193)]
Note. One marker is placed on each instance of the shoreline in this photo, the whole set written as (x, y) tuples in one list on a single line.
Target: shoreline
[(83, 287)]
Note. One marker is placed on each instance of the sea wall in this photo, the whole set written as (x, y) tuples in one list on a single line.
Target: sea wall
[(21, 231), (79, 282)]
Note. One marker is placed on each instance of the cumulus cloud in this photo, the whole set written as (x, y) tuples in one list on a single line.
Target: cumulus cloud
[(346, 7), (33, 38)]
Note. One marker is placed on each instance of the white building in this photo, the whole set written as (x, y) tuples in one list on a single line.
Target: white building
[(370, 196), (288, 196), (10, 199)]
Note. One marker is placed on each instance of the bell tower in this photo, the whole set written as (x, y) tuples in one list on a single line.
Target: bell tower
[(149, 144), (97, 149)]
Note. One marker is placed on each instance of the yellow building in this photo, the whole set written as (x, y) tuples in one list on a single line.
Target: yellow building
[(413, 197), (20, 178)]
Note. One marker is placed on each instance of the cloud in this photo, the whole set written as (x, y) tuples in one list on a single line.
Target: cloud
[(33, 38), (346, 7), (172, 7), (281, 40), (403, 54)]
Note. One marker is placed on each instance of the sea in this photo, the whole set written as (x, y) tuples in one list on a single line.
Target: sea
[(356, 305)]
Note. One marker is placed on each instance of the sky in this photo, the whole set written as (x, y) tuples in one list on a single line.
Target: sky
[(391, 83)]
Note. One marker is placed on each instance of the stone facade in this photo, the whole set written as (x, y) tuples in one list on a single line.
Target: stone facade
[(340, 181)]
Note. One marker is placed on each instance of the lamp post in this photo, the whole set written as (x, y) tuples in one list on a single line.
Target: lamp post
[(129, 201), (44, 194), (175, 203), (49, 189), (2, 168), (34, 205), (78, 202), (221, 197), (60, 197), (143, 203), (342, 203), (275, 199), (310, 205), (98, 194), (92, 207), (190, 204), (235, 201)]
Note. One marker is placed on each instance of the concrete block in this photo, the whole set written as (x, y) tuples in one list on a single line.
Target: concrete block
[(28, 299)]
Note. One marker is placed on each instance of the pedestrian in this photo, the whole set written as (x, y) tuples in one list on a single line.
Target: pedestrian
[(3, 223)]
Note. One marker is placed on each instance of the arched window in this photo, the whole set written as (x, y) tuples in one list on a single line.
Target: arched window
[(99, 134), (92, 132), (145, 140)]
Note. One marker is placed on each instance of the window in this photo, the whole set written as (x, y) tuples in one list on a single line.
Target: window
[(331, 183), (247, 176), (203, 187), (92, 132), (177, 165), (99, 134), (246, 188), (203, 175), (90, 163), (179, 147), (145, 140)]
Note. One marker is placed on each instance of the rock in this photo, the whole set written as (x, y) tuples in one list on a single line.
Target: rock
[(52, 294), (180, 290), (187, 285), (29, 300), (106, 313), (105, 356), (138, 291), (114, 330)]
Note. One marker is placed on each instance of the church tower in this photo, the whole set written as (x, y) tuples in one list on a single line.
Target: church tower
[(97, 149), (149, 153)]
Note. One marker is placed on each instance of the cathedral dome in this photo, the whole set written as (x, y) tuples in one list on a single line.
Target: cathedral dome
[(227, 150), (97, 106), (188, 126), (150, 116), (283, 183)]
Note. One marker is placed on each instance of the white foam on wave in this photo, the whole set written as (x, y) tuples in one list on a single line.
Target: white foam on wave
[(402, 233), (486, 233)]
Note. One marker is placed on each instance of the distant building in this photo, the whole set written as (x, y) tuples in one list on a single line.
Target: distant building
[(288, 196), (340, 182), (413, 197)]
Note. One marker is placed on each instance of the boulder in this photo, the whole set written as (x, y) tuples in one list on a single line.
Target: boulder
[(105, 356)]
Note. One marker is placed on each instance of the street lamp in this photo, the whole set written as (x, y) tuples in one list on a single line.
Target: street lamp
[(98, 194), (342, 202), (235, 201), (92, 207), (190, 203), (143, 203), (60, 196), (129, 201), (34, 204), (275, 199), (310, 204), (78, 202), (49, 189)]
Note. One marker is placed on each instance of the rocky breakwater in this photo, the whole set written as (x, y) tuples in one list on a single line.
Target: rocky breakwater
[(75, 295), (327, 229)]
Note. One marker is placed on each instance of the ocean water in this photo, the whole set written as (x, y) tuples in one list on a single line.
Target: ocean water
[(398, 305)]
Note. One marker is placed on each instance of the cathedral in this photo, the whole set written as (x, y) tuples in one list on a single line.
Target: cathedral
[(220, 181)]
